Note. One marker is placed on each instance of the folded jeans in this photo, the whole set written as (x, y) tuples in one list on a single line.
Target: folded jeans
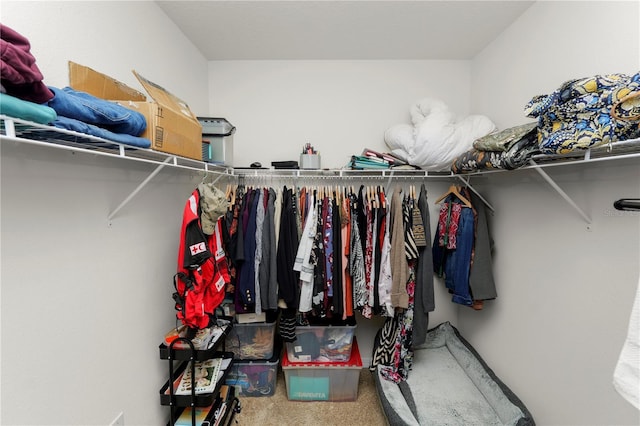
[(85, 107)]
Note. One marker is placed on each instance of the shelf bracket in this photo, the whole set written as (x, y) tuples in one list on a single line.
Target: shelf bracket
[(10, 128), (560, 191), (139, 188)]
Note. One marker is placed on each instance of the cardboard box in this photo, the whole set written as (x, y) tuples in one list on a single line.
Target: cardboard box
[(171, 126)]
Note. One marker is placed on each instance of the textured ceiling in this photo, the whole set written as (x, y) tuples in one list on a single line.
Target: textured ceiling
[(334, 30)]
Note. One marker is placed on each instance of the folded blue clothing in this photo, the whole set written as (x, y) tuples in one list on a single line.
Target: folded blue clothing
[(90, 129), (85, 107), (30, 111)]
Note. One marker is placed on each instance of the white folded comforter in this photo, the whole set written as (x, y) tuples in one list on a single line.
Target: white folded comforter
[(436, 136)]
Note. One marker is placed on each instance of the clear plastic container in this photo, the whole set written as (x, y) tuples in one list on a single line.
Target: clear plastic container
[(321, 344), (335, 381), (252, 341), (253, 377)]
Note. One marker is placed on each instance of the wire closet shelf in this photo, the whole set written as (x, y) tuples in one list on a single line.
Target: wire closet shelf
[(22, 131)]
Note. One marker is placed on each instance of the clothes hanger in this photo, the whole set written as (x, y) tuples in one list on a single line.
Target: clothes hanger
[(234, 195), (227, 192), (453, 190), (371, 194)]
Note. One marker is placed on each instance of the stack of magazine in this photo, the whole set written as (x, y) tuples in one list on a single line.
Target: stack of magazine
[(213, 414), (208, 373), (373, 160)]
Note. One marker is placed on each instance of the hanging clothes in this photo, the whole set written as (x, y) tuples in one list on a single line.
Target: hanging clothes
[(356, 261), (232, 238), (287, 248), (317, 259), (399, 265), (268, 266), (361, 218), (287, 276), (424, 301), (452, 250), (481, 281), (345, 223), (246, 285), (327, 236), (321, 254), (384, 343), (260, 213), (402, 360), (386, 280), (369, 258), (336, 228), (302, 263), (378, 238)]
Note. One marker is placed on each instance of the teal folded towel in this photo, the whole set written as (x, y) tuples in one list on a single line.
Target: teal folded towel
[(18, 108)]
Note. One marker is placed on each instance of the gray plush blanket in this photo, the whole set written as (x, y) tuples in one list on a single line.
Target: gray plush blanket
[(450, 384)]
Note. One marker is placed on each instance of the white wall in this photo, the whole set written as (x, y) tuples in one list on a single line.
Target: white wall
[(340, 107), (565, 287), (85, 303), (552, 42)]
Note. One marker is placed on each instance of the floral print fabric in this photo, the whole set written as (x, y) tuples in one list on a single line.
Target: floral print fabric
[(578, 115)]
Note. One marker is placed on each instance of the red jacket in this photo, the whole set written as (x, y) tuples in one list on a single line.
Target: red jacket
[(202, 269)]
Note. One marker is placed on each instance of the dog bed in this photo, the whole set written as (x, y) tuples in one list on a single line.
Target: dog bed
[(450, 384)]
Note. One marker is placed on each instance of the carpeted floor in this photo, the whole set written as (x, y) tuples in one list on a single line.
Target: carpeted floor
[(278, 410)]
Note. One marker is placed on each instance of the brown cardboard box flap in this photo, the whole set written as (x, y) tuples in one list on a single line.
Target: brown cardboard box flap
[(85, 79), (165, 98)]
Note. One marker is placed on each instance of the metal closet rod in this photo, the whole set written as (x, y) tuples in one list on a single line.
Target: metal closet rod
[(627, 204), (368, 175)]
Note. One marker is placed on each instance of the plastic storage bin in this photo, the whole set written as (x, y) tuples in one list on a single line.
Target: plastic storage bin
[(254, 378), (321, 344), (217, 140), (336, 381), (252, 341)]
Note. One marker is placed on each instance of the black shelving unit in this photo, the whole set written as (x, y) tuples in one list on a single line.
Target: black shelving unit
[(185, 356)]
